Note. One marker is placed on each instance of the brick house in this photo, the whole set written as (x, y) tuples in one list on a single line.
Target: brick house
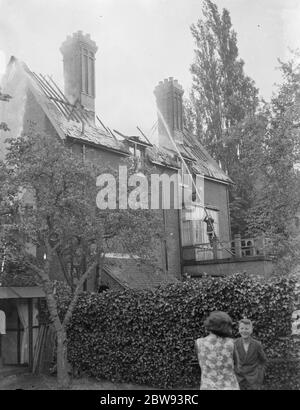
[(70, 116)]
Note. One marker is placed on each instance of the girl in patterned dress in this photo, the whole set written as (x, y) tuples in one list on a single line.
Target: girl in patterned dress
[(215, 354)]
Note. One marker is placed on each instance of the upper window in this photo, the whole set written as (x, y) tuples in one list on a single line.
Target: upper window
[(194, 229)]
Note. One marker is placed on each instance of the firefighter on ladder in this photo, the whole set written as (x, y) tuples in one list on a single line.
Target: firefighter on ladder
[(213, 240), (210, 228)]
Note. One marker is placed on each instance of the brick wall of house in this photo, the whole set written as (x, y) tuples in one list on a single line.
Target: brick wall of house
[(34, 119), (173, 242), (171, 217), (102, 157)]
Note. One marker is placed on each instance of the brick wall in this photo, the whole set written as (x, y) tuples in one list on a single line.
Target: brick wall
[(173, 242), (168, 251)]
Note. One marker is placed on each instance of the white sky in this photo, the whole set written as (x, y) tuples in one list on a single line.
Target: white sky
[(142, 42)]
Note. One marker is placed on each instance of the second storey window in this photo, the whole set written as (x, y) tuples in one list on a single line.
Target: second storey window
[(194, 229)]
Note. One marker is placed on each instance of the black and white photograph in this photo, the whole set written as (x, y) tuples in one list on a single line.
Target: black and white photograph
[(149, 198)]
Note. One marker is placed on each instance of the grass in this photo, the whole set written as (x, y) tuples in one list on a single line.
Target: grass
[(27, 381)]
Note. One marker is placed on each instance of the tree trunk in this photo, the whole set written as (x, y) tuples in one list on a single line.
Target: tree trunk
[(63, 378), (62, 367)]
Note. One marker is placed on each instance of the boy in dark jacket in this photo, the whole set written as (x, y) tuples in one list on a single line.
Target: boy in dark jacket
[(250, 358)]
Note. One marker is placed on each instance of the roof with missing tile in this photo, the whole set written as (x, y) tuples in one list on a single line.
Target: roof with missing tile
[(73, 121), (197, 158), (162, 157), (203, 164)]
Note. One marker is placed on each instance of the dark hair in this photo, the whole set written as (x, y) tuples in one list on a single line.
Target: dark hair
[(219, 323), (245, 321)]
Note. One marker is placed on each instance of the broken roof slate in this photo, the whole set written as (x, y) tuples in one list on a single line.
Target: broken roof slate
[(162, 157), (204, 163), (199, 160), (71, 119), (58, 109), (91, 135)]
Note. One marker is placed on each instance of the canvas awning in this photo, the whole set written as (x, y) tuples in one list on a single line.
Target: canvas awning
[(29, 292)]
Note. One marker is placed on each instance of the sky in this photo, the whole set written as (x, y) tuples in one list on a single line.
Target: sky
[(141, 42)]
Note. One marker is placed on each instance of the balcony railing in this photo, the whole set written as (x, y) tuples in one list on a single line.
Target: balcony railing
[(237, 248)]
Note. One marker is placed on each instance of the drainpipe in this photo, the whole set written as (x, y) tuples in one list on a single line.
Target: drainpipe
[(166, 267), (180, 243), (228, 212), (30, 334)]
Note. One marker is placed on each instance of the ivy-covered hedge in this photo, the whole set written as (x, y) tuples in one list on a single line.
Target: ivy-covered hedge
[(148, 337)]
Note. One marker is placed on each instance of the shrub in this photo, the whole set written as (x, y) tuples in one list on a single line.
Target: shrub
[(283, 375), (148, 337)]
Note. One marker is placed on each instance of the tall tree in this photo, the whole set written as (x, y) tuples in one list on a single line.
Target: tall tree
[(51, 194), (4, 97), (275, 199), (222, 96)]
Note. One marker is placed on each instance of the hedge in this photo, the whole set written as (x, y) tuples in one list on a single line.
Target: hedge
[(148, 337)]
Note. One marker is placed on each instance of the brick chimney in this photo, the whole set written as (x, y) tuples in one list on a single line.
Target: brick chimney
[(78, 53), (168, 95)]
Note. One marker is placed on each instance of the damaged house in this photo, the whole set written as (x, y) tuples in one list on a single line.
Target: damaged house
[(69, 114)]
